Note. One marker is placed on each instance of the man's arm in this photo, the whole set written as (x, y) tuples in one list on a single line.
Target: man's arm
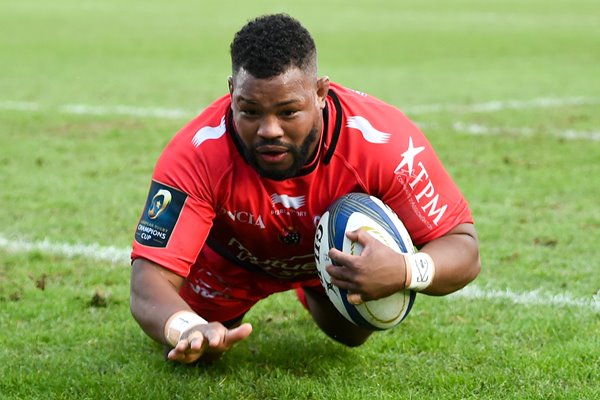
[(456, 259), (379, 271), (155, 299)]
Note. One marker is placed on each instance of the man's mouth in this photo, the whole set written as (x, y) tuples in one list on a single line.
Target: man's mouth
[(271, 154)]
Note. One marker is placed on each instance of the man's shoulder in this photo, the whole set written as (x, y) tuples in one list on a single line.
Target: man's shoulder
[(207, 129), (203, 144), (370, 137), (358, 107), (351, 97), (209, 124), (369, 126)]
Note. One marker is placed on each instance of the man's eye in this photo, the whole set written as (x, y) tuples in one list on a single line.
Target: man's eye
[(249, 113), (289, 113)]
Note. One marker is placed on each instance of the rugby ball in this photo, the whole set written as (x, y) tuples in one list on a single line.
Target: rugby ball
[(348, 213)]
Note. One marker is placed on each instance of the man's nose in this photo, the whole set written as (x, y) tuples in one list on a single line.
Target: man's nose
[(270, 128)]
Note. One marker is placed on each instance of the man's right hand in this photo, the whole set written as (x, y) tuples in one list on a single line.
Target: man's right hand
[(211, 339)]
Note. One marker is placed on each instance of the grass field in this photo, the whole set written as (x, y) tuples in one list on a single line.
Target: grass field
[(508, 93)]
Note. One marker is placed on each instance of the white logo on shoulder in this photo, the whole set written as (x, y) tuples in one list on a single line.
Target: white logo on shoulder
[(408, 157), (288, 201), (208, 133), (370, 134), (424, 199)]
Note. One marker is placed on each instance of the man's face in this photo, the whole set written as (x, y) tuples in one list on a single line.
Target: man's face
[(278, 119)]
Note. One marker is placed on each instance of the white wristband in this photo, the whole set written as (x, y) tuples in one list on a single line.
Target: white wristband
[(420, 271), (179, 323)]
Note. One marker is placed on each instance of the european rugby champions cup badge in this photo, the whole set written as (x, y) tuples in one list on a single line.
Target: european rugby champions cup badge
[(162, 210), (160, 202)]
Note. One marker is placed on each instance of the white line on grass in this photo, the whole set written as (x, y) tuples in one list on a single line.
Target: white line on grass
[(483, 130), (131, 111), (535, 297), (158, 112), (96, 252), (19, 106), (499, 105), (114, 255)]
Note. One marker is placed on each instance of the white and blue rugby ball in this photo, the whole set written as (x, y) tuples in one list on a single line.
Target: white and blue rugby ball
[(348, 213)]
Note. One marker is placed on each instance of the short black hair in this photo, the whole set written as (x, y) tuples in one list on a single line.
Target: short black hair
[(268, 45)]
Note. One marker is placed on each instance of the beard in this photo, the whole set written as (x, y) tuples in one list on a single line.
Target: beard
[(299, 154)]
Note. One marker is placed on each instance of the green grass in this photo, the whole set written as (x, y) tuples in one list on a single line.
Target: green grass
[(82, 179)]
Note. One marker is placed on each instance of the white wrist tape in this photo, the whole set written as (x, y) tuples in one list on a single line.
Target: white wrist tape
[(420, 271), (179, 323)]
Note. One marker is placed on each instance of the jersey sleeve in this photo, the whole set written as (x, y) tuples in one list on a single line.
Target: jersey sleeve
[(178, 213), (395, 162), (415, 184)]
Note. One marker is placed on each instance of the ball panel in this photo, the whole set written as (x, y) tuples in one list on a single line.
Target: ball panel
[(353, 312), (400, 232), (375, 209), (387, 310), (348, 213), (358, 220), (387, 314)]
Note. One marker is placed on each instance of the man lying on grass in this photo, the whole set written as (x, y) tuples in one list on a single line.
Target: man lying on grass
[(235, 197)]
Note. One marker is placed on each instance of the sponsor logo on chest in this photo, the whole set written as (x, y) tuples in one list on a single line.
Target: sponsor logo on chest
[(282, 205), (245, 217), (290, 205)]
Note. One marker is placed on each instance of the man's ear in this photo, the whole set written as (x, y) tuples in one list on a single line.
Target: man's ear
[(322, 90), (230, 84)]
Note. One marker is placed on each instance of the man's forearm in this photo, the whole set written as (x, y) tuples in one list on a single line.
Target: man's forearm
[(154, 298), (456, 259)]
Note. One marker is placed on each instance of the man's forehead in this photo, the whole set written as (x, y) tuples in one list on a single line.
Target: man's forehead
[(293, 83), (290, 76)]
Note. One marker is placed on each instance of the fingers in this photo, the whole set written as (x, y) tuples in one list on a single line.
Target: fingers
[(354, 298), (212, 338), (339, 258), (188, 350), (353, 235), (357, 272), (238, 334), (360, 236), (344, 278), (222, 340), (196, 341), (343, 273)]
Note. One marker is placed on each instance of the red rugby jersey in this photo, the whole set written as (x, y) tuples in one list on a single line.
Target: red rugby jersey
[(204, 193)]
